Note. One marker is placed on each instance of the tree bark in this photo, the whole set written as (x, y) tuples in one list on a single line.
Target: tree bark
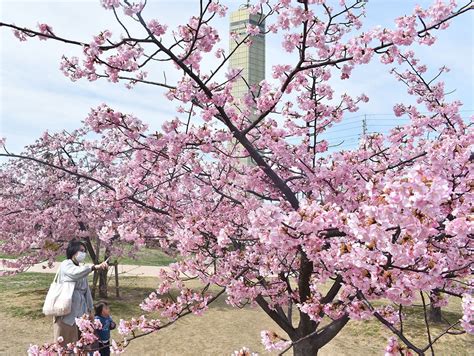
[(305, 348), (305, 326), (103, 277), (95, 279), (434, 314), (94, 253), (102, 283)]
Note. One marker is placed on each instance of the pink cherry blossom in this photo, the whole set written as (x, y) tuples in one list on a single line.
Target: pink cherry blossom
[(46, 30), (273, 342), (253, 30), (156, 28), (110, 4), (217, 8), (244, 351), (133, 8), (246, 189), (467, 321), (20, 35)]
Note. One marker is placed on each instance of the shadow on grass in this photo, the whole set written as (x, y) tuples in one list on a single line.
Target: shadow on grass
[(22, 295)]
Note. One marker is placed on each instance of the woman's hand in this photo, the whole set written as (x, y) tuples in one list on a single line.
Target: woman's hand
[(103, 265)]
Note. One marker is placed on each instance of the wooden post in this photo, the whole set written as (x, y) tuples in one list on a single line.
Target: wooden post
[(117, 289)]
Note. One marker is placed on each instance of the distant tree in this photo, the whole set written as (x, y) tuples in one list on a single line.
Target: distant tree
[(43, 206)]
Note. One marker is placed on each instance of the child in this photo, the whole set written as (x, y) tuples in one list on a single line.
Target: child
[(102, 313)]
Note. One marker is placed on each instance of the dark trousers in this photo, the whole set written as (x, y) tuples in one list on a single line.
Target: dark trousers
[(104, 348)]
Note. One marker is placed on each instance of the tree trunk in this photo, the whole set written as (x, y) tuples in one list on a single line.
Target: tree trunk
[(95, 258), (102, 283), (434, 314), (95, 279), (103, 280), (305, 348)]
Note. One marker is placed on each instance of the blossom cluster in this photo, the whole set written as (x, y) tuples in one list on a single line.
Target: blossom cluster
[(467, 321), (87, 328), (273, 342)]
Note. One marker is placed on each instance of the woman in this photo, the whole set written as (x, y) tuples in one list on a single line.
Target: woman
[(70, 270)]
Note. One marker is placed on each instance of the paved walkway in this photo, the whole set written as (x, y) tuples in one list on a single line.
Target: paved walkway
[(123, 270)]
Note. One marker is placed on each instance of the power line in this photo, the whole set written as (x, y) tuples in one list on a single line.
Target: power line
[(393, 114), (341, 130)]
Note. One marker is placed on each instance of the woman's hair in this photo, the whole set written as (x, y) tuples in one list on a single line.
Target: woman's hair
[(73, 247), (99, 307)]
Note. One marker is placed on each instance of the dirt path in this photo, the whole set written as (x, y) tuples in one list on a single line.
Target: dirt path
[(124, 270)]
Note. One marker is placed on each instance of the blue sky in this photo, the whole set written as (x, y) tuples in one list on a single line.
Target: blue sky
[(35, 96)]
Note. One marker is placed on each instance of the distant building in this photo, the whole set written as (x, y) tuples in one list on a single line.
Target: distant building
[(251, 59)]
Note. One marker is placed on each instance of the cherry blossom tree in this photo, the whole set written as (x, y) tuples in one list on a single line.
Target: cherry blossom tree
[(47, 206), (313, 238)]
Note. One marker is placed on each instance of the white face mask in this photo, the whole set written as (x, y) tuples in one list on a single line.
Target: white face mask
[(80, 256)]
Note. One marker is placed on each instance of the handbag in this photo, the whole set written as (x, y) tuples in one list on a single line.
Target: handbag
[(59, 298)]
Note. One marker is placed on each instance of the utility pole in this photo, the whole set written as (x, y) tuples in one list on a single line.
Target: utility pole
[(364, 126)]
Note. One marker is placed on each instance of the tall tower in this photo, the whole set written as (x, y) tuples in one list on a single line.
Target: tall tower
[(251, 59)]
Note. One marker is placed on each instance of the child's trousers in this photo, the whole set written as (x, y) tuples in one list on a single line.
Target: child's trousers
[(104, 348)]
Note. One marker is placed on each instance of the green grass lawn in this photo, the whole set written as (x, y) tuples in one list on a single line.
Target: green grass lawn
[(220, 331), (148, 257), (7, 256)]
